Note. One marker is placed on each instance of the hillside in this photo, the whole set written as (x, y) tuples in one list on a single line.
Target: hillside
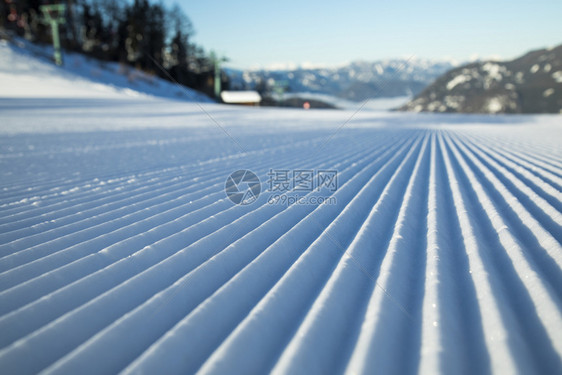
[(529, 84), (26, 71)]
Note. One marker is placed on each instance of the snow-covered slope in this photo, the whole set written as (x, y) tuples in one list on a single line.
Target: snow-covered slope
[(120, 251), (25, 71), (437, 250)]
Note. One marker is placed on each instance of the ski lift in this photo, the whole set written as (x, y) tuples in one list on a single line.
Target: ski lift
[(54, 15)]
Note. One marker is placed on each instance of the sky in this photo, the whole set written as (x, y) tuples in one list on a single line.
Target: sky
[(262, 34)]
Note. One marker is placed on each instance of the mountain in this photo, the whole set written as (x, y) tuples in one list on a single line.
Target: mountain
[(529, 84), (355, 81)]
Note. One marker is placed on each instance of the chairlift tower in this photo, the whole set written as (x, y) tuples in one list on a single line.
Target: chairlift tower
[(54, 15), (216, 61)]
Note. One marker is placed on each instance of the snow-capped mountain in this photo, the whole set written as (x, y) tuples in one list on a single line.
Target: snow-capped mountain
[(529, 84), (356, 81)]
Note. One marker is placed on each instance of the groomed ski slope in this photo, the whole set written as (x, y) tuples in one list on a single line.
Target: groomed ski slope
[(120, 251)]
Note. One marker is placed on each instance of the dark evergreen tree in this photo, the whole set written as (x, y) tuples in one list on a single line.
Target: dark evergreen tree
[(155, 38), (178, 49)]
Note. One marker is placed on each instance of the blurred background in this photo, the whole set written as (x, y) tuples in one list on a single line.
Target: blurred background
[(482, 57)]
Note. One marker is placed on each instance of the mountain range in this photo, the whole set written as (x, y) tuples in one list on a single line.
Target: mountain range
[(356, 81)]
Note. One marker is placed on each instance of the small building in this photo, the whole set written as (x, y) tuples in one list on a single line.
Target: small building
[(241, 97)]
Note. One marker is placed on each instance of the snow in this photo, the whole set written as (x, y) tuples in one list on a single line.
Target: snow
[(494, 73), (535, 68), (41, 79), (461, 78), (495, 105), (25, 71), (493, 70), (453, 101), (120, 251)]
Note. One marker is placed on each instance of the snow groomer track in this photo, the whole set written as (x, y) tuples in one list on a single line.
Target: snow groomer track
[(120, 251)]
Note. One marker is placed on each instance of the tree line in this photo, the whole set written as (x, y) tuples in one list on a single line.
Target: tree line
[(148, 36)]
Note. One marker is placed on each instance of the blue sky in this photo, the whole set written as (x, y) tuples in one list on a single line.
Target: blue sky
[(263, 33)]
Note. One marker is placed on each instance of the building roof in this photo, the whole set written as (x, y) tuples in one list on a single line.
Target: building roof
[(234, 97)]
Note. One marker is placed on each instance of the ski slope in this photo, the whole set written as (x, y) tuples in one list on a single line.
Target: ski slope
[(120, 252), (26, 71)]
